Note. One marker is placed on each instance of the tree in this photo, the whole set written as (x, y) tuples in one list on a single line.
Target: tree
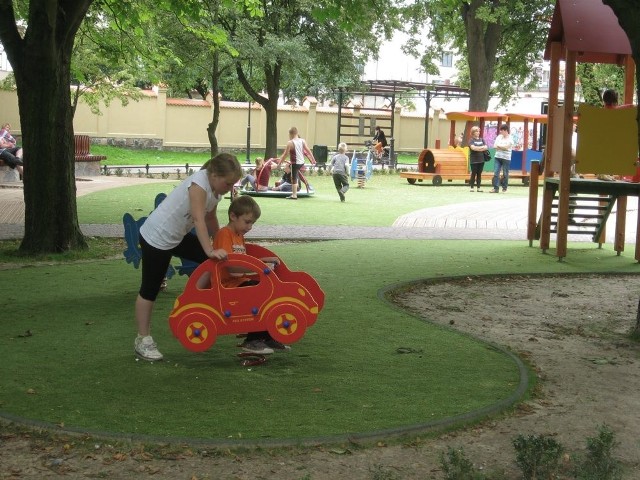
[(294, 45), (499, 40), (595, 78), (40, 55), (100, 67)]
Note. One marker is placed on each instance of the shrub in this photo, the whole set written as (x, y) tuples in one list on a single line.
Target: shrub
[(537, 456), (599, 463), (456, 466)]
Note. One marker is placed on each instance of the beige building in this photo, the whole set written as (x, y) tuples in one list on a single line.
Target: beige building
[(170, 123)]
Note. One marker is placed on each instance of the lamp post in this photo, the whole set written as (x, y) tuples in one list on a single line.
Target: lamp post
[(249, 132), (248, 161)]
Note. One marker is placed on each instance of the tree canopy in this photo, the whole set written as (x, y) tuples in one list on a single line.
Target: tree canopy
[(499, 41)]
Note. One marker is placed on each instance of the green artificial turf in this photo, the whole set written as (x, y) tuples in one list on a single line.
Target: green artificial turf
[(383, 199), (66, 348), (125, 156)]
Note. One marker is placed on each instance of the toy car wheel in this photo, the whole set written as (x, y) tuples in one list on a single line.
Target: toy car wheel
[(286, 323), (437, 180), (196, 331), (411, 181)]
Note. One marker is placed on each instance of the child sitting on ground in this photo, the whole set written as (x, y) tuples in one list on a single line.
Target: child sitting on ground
[(284, 184), (250, 178), (244, 211)]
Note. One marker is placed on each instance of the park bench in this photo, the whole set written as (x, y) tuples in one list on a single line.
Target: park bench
[(86, 163), (8, 174)]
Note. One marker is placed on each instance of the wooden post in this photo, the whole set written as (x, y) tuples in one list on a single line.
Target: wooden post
[(565, 171), (525, 143), (621, 219), (637, 256), (547, 198), (532, 220)]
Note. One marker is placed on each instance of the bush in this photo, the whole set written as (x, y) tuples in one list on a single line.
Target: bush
[(537, 456), (456, 466), (599, 463)]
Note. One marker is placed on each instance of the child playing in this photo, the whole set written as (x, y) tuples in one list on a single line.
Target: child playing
[(251, 177), (284, 184), (165, 233), (263, 175), (339, 168), (243, 213)]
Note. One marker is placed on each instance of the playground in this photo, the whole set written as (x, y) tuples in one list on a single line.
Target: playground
[(586, 364), (576, 342)]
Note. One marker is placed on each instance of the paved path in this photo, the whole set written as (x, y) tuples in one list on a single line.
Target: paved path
[(502, 219)]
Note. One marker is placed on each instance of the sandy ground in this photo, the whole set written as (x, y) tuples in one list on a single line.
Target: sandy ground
[(572, 330)]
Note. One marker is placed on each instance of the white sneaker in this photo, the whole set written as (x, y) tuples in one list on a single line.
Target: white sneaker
[(147, 349)]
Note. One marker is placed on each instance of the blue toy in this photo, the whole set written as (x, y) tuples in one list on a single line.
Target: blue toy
[(133, 253)]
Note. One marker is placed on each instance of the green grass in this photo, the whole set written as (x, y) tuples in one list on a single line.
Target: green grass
[(124, 156), (66, 349), (384, 198), (66, 345), (98, 248)]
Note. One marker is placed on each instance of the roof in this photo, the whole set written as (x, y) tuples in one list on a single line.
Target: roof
[(475, 116), (589, 28), (521, 117), (388, 87)]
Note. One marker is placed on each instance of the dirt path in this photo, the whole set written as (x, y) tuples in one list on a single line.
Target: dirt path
[(572, 329)]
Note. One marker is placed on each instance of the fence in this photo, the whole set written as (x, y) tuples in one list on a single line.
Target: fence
[(170, 123)]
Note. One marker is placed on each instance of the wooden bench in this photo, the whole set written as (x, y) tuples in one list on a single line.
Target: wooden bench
[(438, 165), (86, 163)]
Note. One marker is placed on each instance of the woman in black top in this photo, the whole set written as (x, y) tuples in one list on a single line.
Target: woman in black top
[(477, 147)]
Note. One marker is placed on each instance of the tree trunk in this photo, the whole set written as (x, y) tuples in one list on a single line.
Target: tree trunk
[(271, 111), (215, 98), (41, 63), (269, 103), (482, 46)]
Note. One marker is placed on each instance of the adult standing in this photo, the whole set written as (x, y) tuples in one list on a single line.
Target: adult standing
[(502, 159), (165, 233), (477, 147), (296, 150)]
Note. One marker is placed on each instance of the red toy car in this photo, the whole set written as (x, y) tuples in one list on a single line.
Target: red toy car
[(284, 303)]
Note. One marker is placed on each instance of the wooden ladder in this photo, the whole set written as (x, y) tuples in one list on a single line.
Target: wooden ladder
[(588, 214)]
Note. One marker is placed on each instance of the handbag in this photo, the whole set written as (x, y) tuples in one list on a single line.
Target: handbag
[(487, 155)]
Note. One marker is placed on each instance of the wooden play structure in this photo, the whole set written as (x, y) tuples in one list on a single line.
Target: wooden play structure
[(451, 164), (607, 140), (519, 163), (438, 164)]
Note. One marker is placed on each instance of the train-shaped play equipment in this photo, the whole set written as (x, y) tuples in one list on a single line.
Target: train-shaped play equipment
[(283, 302)]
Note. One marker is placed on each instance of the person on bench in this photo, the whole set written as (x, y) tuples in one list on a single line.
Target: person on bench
[(10, 153)]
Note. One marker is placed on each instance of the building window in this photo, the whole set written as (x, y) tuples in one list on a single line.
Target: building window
[(447, 59)]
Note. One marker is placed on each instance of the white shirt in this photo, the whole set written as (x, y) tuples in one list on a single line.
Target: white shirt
[(167, 225), (298, 145), (504, 142)]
